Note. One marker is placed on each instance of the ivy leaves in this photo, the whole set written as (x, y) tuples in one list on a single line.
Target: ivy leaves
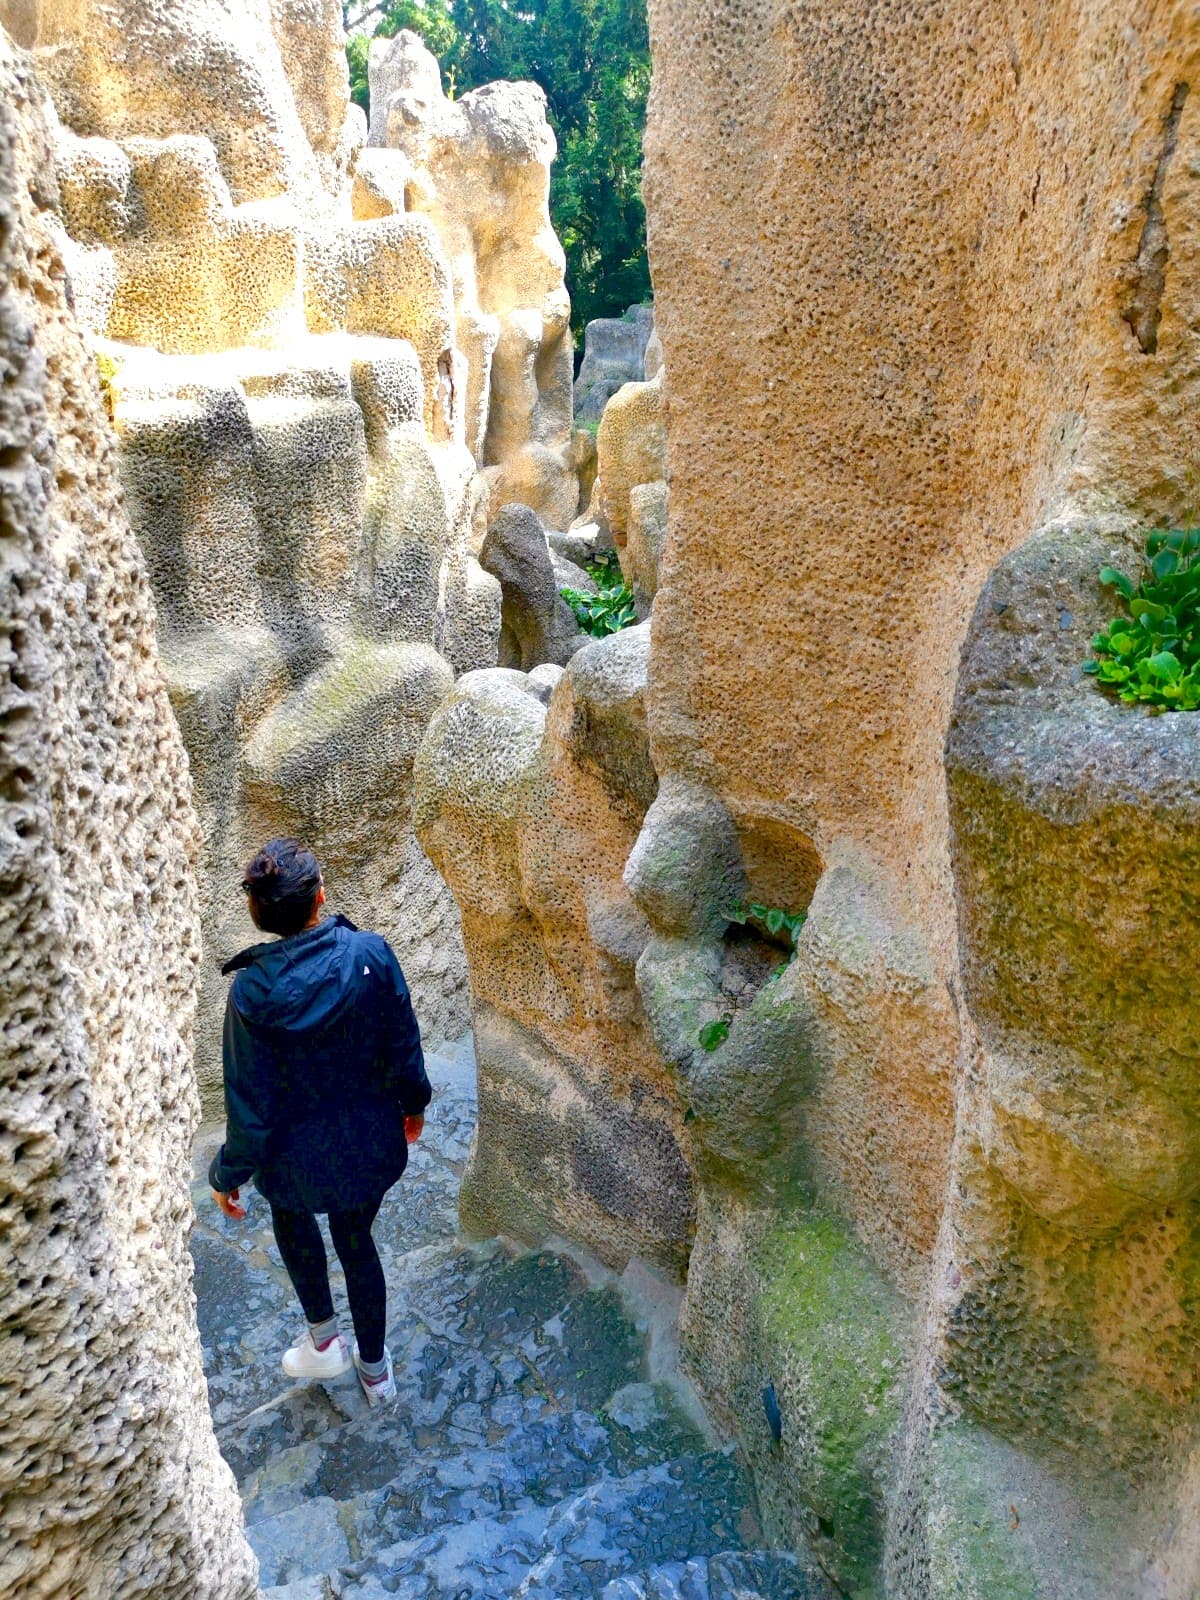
[(1151, 656)]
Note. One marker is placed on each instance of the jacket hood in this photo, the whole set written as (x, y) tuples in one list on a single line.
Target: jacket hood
[(300, 983)]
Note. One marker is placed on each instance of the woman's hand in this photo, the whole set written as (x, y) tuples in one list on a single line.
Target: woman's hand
[(228, 1204), (412, 1128)]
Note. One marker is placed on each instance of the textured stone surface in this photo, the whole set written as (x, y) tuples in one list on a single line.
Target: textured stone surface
[(109, 1474), (541, 1444), (529, 810), (876, 392), (631, 473), (614, 353), (322, 360), (479, 169), (307, 541), (536, 623), (927, 295)]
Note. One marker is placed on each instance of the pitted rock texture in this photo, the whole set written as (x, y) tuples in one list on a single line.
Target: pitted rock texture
[(631, 483), (876, 393), (109, 1473), (307, 541), (536, 624), (530, 791), (1074, 822), (479, 168), (540, 1446), (321, 361), (942, 1158)]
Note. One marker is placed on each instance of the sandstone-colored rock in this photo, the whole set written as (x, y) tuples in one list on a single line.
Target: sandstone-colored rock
[(386, 277), (529, 811), (645, 542), (305, 538), (480, 170), (1073, 824), (299, 372), (584, 463), (962, 1176), (632, 449), (109, 1473), (847, 467)]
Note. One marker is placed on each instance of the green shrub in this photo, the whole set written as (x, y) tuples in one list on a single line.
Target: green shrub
[(1151, 655), (610, 610), (715, 1033)]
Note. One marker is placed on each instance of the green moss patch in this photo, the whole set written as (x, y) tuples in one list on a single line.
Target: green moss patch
[(829, 1320)]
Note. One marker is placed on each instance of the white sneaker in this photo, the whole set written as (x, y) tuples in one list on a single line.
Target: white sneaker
[(379, 1391), (304, 1360)]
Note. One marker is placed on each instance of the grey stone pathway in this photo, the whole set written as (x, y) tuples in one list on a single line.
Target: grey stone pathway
[(528, 1454)]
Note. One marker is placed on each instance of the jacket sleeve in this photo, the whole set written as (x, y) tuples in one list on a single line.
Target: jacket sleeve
[(402, 1057), (247, 1106)]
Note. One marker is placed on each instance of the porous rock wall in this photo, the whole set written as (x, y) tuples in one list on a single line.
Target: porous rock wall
[(925, 279), (309, 350), (967, 239), (110, 1479), (479, 168), (530, 790)]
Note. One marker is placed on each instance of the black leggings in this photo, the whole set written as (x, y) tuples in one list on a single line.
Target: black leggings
[(303, 1251)]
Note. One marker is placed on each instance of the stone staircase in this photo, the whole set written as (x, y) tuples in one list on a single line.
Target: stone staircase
[(530, 1453)]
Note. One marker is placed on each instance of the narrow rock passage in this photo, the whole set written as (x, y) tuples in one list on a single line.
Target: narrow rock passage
[(528, 1453)]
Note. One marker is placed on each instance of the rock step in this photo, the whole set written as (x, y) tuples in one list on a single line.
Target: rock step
[(670, 1530), (528, 1455), (729, 1575)]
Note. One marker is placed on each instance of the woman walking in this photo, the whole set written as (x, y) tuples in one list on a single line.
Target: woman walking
[(325, 1087)]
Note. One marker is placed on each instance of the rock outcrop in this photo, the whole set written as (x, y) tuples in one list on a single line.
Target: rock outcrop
[(479, 169), (323, 362), (109, 1473), (537, 627), (614, 353), (942, 1158), (631, 480), (530, 793)]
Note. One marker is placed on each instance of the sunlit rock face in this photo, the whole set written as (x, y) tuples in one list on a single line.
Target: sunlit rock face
[(479, 168), (316, 381), (926, 287), (927, 293), (109, 1472), (530, 790)]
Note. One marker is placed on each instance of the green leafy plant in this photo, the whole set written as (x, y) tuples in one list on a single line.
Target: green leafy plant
[(772, 918), (715, 1033), (1151, 656), (775, 921), (610, 610)]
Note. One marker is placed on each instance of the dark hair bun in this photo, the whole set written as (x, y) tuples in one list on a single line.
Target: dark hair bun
[(283, 879)]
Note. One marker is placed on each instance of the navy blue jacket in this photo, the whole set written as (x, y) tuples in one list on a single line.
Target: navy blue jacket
[(322, 1064)]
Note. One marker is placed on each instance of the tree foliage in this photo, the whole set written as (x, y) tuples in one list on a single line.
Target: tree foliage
[(592, 58)]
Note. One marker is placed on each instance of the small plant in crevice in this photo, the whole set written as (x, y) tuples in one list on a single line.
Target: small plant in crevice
[(772, 918), (775, 922), (714, 1033), (612, 608), (1151, 656)]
